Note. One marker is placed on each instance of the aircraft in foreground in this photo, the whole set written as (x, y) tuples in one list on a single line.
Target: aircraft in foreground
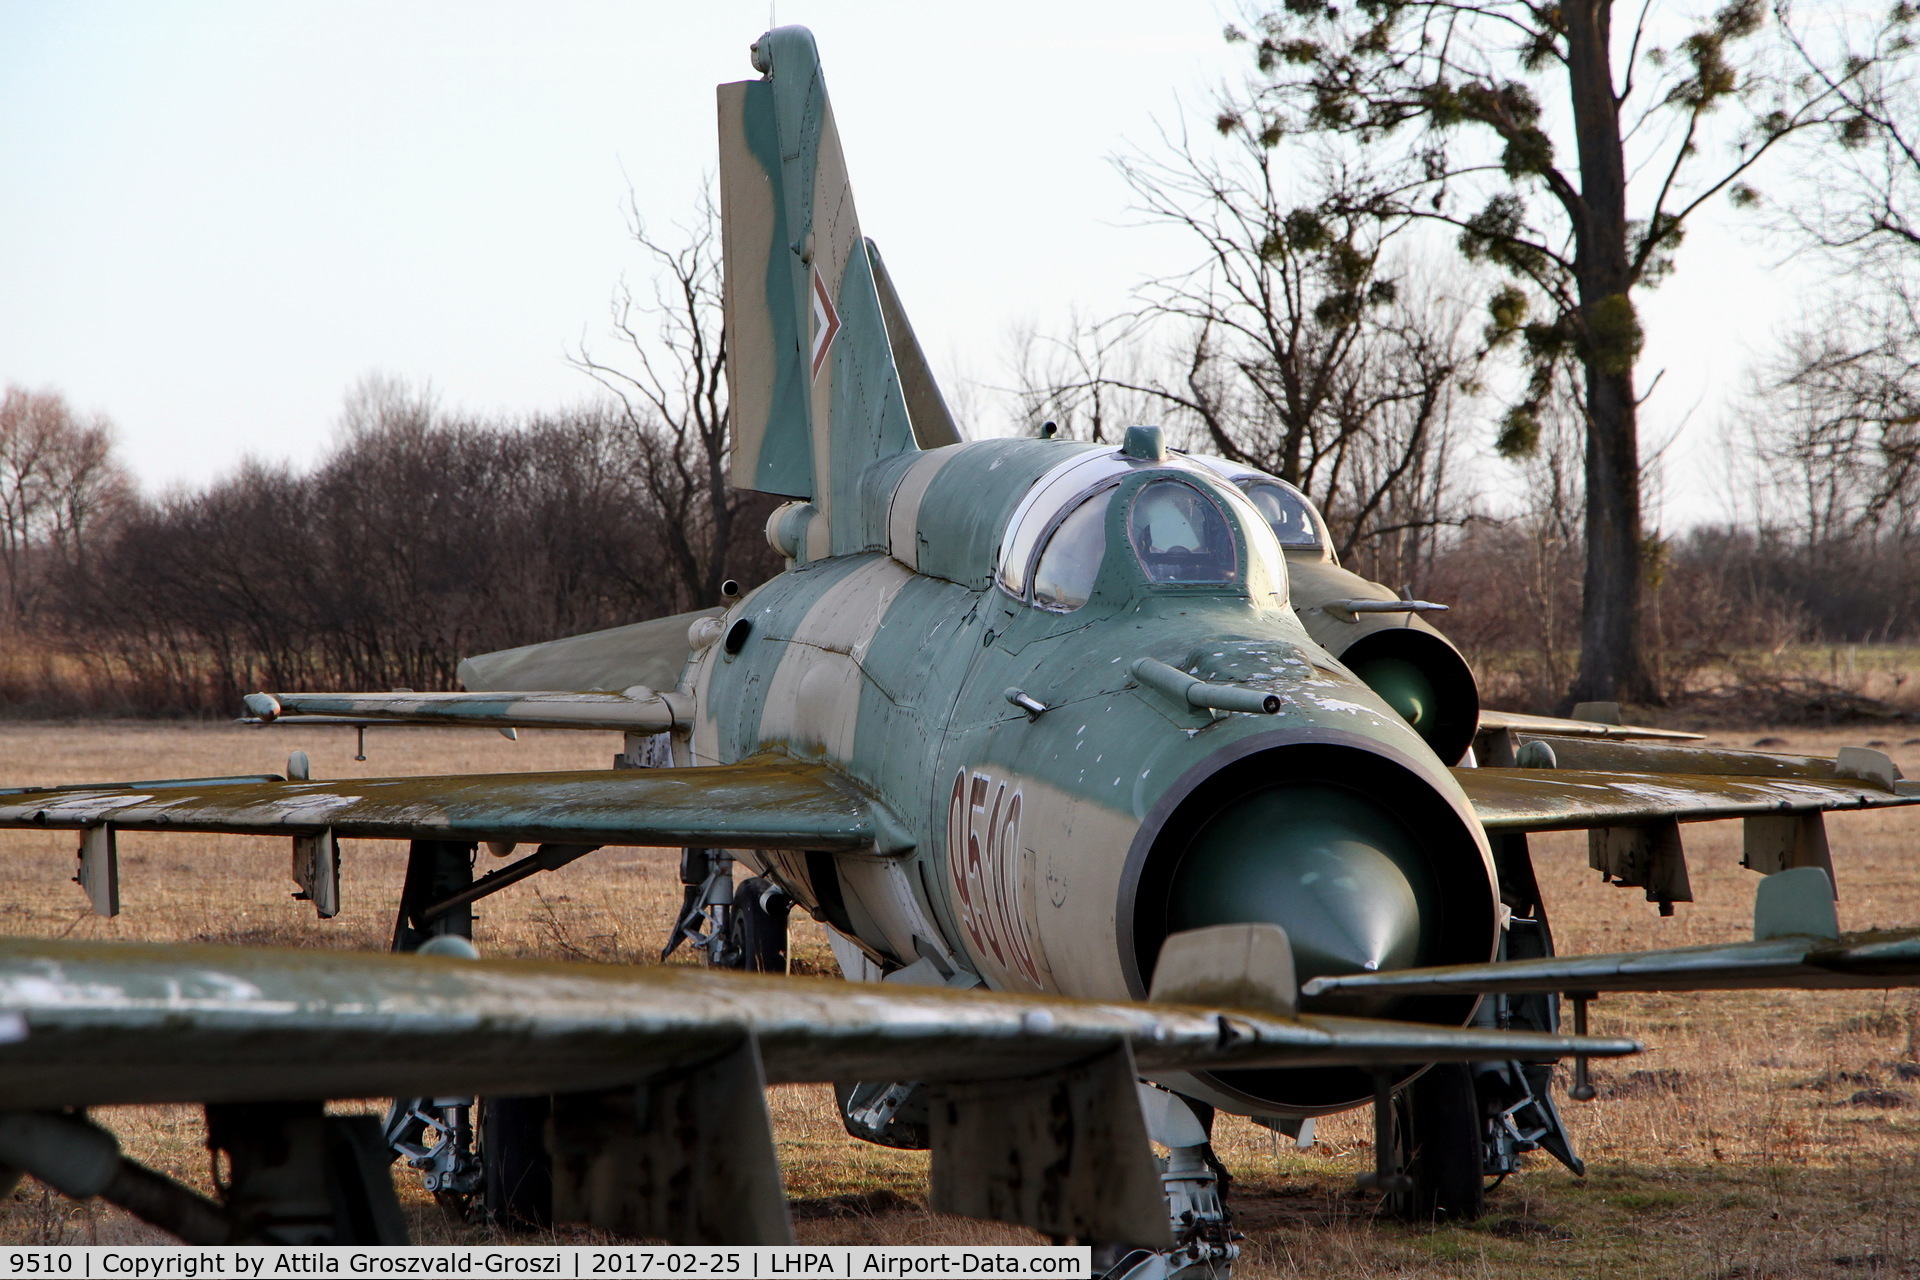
[(1030, 715)]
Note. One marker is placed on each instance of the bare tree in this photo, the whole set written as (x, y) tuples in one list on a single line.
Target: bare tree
[(426, 536), (1865, 201), (671, 388), (1298, 343), (419, 539), (1391, 480), (1842, 399), (1837, 406), (1081, 380), (1285, 294), (60, 486), (1513, 579), (1456, 94)]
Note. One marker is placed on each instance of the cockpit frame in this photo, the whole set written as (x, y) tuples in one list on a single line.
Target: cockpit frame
[(1064, 490)]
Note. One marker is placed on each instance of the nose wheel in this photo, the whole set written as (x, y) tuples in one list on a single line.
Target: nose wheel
[(1428, 1142)]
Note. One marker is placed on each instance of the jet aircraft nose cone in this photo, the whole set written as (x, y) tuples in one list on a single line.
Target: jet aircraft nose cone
[(1323, 863)]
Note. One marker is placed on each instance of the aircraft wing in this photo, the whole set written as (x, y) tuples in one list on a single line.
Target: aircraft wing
[(1869, 960), (1551, 799), (1518, 722), (94, 1024), (658, 1125), (1797, 944), (638, 710), (768, 802)]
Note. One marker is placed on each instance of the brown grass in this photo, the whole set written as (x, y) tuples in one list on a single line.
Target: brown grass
[(1731, 1148)]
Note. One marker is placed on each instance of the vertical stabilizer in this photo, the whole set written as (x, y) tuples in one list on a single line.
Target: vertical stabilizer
[(816, 396)]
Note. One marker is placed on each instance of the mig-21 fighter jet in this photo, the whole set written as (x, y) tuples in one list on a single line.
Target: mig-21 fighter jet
[(1025, 722)]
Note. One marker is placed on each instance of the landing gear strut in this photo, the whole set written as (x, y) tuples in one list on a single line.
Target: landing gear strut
[(706, 907), (735, 927), (1516, 1098), (435, 1135), (293, 1175), (740, 926), (1196, 1186)]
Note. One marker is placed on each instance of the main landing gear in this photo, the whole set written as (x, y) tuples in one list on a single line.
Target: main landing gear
[(486, 1159), (435, 1135), (1457, 1125), (740, 926)]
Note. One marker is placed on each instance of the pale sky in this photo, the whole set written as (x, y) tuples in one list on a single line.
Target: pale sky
[(215, 218)]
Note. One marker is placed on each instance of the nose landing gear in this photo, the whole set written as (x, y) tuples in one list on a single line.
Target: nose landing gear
[(436, 1135), (1204, 1241)]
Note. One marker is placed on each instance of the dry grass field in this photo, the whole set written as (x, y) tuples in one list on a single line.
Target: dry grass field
[(1762, 1135)]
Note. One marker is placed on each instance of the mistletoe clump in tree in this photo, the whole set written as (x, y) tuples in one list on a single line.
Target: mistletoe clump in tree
[(1569, 155)]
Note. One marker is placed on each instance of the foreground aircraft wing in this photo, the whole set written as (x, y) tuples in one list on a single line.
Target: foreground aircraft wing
[(1797, 944), (658, 1125), (769, 802), (109, 1023)]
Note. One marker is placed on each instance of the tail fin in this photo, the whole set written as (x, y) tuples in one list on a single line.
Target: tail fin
[(933, 424), (815, 391)]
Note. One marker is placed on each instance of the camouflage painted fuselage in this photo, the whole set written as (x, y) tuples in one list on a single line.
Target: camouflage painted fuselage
[(1041, 848), (1050, 848)]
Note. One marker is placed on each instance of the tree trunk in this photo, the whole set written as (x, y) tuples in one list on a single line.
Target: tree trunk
[(1612, 667)]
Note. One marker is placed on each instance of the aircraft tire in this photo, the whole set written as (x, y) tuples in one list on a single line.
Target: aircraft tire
[(1439, 1126), (513, 1153), (760, 910)]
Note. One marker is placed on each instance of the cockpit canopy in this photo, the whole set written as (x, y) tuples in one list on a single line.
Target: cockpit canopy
[(1295, 521), (1177, 531), (1075, 550), (1180, 535)]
